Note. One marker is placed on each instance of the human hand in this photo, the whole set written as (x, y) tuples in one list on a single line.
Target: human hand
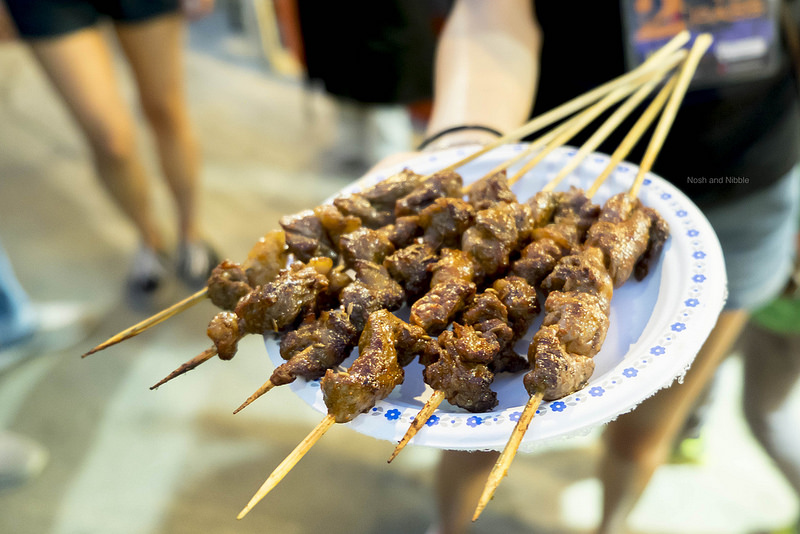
[(197, 9)]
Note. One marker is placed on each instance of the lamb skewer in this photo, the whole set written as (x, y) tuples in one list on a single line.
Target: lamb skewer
[(617, 259), (571, 218), (386, 345), (416, 266), (259, 267), (531, 127)]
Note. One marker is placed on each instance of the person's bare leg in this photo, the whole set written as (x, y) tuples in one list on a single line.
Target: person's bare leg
[(639, 442), (154, 49), (81, 69), (459, 482)]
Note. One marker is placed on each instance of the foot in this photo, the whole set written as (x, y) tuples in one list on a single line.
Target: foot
[(21, 459), (148, 271), (196, 260)]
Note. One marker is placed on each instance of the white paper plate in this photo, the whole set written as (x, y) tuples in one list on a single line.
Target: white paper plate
[(656, 328)]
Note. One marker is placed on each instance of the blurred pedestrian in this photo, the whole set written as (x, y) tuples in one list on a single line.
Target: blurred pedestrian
[(375, 60), (69, 43)]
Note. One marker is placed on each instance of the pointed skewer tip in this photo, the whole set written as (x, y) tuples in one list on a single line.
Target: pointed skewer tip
[(500, 468), (188, 366), (288, 463), (419, 421), (268, 385)]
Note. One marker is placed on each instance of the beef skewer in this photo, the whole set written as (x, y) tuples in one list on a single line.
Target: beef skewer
[(269, 308), (538, 385), (477, 350), (534, 125), (373, 288), (443, 221), (386, 345), (540, 258), (571, 218), (362, 249), (268, 252), (314, 348)]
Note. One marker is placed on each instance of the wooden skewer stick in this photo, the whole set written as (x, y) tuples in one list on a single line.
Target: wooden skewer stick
[(268, 385), (527, 151), (501, 467), (188, 366), (602, 133), (579, 102), (288, 463), (161, 316), (701, 44), (586, 117), (635, 133), (502, 464), (419, 421), (569, 132)]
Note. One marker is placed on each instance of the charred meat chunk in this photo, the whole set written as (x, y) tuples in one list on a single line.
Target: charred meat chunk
[(306, 238), (623, 239), (583, 271), (556, 373), (581, 318), (410, 267), (445, 220), (224, 330), (465, 384), (403, 232), (318, 345), (385, 194), (439, 306), (550, 244), (490, 190), (364, 244), (373, 289), (357, 205), (336, 223), (441, 184), (543, 206), (227, 284), (266, 259), (492, 238), (575, 208), (453, 264), (521, 302), (277, 304), (488, 314), (383, 346)]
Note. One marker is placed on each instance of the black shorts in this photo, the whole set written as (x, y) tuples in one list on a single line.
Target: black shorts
[(50, 18)]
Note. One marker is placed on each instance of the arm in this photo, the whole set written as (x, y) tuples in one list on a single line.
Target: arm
[(487, 67)]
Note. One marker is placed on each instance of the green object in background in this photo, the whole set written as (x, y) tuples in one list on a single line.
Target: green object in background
[(781, 315)]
